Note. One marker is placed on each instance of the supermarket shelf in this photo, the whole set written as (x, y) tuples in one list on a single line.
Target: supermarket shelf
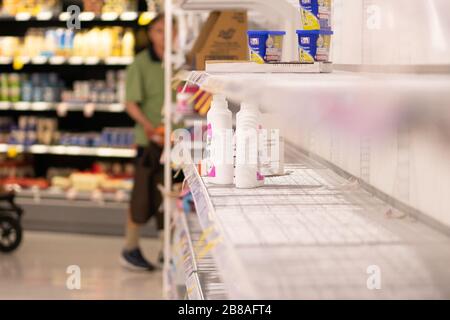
[(62, 106), (311, 234), (63, 62), (207, 271), (58, 194), (71, 150), (183, 258), (87, 19), (339, 93), (201, 276)]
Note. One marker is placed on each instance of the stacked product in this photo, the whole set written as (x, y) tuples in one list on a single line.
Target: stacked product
[(105, 176), (37, 87), (48, 87), (265, 46), (18, 167), (6, 124), (314, 39), (111, 90), (97, 42), (109, 137), (32, 130), (38, 130), (118, 6), (33, 7)]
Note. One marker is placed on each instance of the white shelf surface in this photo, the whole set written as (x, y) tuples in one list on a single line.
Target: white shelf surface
[(313, 235), (316, 95), (72, 150)]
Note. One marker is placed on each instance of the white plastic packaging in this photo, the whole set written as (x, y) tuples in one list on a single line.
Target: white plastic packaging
[(271, 146), (247, 172), (220, 142)]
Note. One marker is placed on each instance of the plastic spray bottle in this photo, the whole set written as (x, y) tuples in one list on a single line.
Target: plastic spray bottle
[(247, 172), (220, 142)]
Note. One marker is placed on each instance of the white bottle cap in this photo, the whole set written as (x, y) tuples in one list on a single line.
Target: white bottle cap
[(219, 98), (219, 101)]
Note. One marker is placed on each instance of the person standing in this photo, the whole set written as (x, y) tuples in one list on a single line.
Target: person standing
[(144, 104)]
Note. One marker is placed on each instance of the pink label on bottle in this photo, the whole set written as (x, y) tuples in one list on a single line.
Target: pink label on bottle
[(209, 130), (212, 172)]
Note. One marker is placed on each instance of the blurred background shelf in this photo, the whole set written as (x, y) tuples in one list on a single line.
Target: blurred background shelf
[(87, 19), (58, 63), (66, 106), (71, 150)]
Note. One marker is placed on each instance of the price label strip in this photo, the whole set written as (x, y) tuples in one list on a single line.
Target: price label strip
[(200, 196), (194, 291), (209, 246)]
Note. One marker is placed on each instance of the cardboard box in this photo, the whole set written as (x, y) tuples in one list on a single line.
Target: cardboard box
[(223, 37)]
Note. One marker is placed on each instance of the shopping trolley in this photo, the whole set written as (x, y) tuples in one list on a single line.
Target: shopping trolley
[(10, 223)]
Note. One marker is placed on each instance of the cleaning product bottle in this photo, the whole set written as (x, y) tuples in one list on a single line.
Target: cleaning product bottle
[(220, 142), (247, 173)]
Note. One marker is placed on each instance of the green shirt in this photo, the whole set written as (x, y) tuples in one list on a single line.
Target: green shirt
[(145, 86)]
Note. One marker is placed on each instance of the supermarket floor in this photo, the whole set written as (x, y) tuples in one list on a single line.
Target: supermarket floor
[(38, 269)]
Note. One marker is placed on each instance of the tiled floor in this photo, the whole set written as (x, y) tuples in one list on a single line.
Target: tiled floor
[(38, 269)]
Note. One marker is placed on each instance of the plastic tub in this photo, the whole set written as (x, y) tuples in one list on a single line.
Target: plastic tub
[(265, 46), (316, 14), (314, 45)]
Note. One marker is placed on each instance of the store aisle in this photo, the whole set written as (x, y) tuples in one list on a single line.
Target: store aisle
[(38, 269)]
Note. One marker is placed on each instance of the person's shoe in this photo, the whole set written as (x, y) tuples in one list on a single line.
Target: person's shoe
[(134, 260)]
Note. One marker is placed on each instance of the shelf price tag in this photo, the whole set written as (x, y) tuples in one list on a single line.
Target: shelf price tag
[(64, 16), (44, 16), (86, 16), (198, 193), (23, 16), (18, 63), (12, 152), (57, 60), (193, 288), (4, 105), (109, 16), (39, 60), (5, 60), (209, 246), (61, 109), (128, 16), (89, 109), (120, 196), (22, 105), (97, 196), (91, 60), (75, 60), (71, 194), (36, 193)]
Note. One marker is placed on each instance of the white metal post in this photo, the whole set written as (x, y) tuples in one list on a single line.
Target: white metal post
[(167, 145)]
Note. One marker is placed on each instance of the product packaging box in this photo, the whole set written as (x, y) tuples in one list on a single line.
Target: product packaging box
[(223, 37)]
